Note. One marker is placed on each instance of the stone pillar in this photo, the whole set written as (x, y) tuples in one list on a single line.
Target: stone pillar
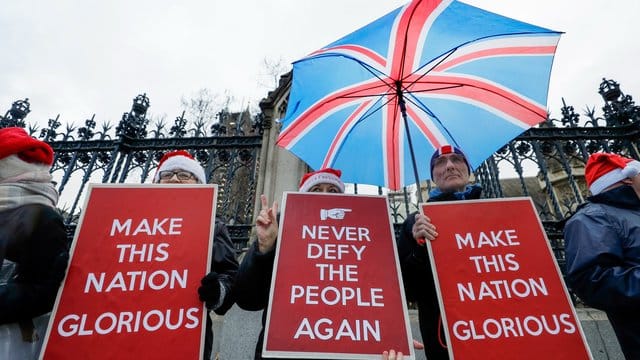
[(279, 169)]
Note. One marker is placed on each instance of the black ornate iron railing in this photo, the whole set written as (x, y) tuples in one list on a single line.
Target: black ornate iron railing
[(130, 153), (545, 163)]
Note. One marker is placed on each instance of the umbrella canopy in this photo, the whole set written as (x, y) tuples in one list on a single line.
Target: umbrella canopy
[(427, 74)]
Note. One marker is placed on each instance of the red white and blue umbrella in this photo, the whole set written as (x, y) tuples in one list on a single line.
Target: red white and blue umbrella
[(427, 74)]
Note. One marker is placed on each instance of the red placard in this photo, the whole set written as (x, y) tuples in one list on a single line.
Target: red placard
[(499, 285), (336, 288), (131, 287)]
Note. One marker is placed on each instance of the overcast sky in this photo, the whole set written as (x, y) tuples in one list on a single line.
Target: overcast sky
[(76, 58)]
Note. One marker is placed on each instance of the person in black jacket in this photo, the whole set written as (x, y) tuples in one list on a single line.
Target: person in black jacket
[(253, 282), (254, 276), (179, 167), (602, 246), (450, 171), (34, 249)]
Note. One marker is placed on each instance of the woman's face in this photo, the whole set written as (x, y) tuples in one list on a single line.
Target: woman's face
[(325, 188)]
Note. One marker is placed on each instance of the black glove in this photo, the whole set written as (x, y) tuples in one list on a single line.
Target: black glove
[(209, 291)]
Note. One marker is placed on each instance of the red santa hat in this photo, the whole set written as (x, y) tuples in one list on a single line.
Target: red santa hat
[(180, 160), (604, 170), (16, 141), (322, 176)]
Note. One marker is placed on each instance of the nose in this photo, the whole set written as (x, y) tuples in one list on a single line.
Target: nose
[(449, 163), (174, 178)]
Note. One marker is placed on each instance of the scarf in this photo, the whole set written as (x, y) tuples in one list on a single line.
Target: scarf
[(469, 193), (14, 195), (23, 183)]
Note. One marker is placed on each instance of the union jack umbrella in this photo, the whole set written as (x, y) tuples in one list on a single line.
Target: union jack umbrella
[(379, 101)]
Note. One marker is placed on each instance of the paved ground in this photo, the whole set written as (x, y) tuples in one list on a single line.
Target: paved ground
[(236, 334)]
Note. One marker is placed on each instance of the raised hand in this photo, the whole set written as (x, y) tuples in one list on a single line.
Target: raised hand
[(267, 225)]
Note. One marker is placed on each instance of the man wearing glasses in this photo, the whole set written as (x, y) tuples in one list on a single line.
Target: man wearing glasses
[(179, 167)]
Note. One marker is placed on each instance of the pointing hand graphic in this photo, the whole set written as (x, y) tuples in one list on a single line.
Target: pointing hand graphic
[(336, 213)]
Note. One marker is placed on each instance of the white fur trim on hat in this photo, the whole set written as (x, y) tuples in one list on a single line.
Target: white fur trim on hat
[(631, 169), (14, 169), (322, 178), (183, 163)]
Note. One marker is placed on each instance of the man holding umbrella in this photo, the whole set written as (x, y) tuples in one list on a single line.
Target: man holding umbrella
[(450, 171)]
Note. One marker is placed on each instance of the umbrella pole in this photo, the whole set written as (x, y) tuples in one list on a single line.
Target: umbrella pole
[(403, 110)]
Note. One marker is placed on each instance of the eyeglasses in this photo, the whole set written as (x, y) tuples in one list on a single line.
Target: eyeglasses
[(182, 175)]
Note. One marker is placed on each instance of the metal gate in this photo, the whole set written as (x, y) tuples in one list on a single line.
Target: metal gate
[(545, 163), (130, 151)]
